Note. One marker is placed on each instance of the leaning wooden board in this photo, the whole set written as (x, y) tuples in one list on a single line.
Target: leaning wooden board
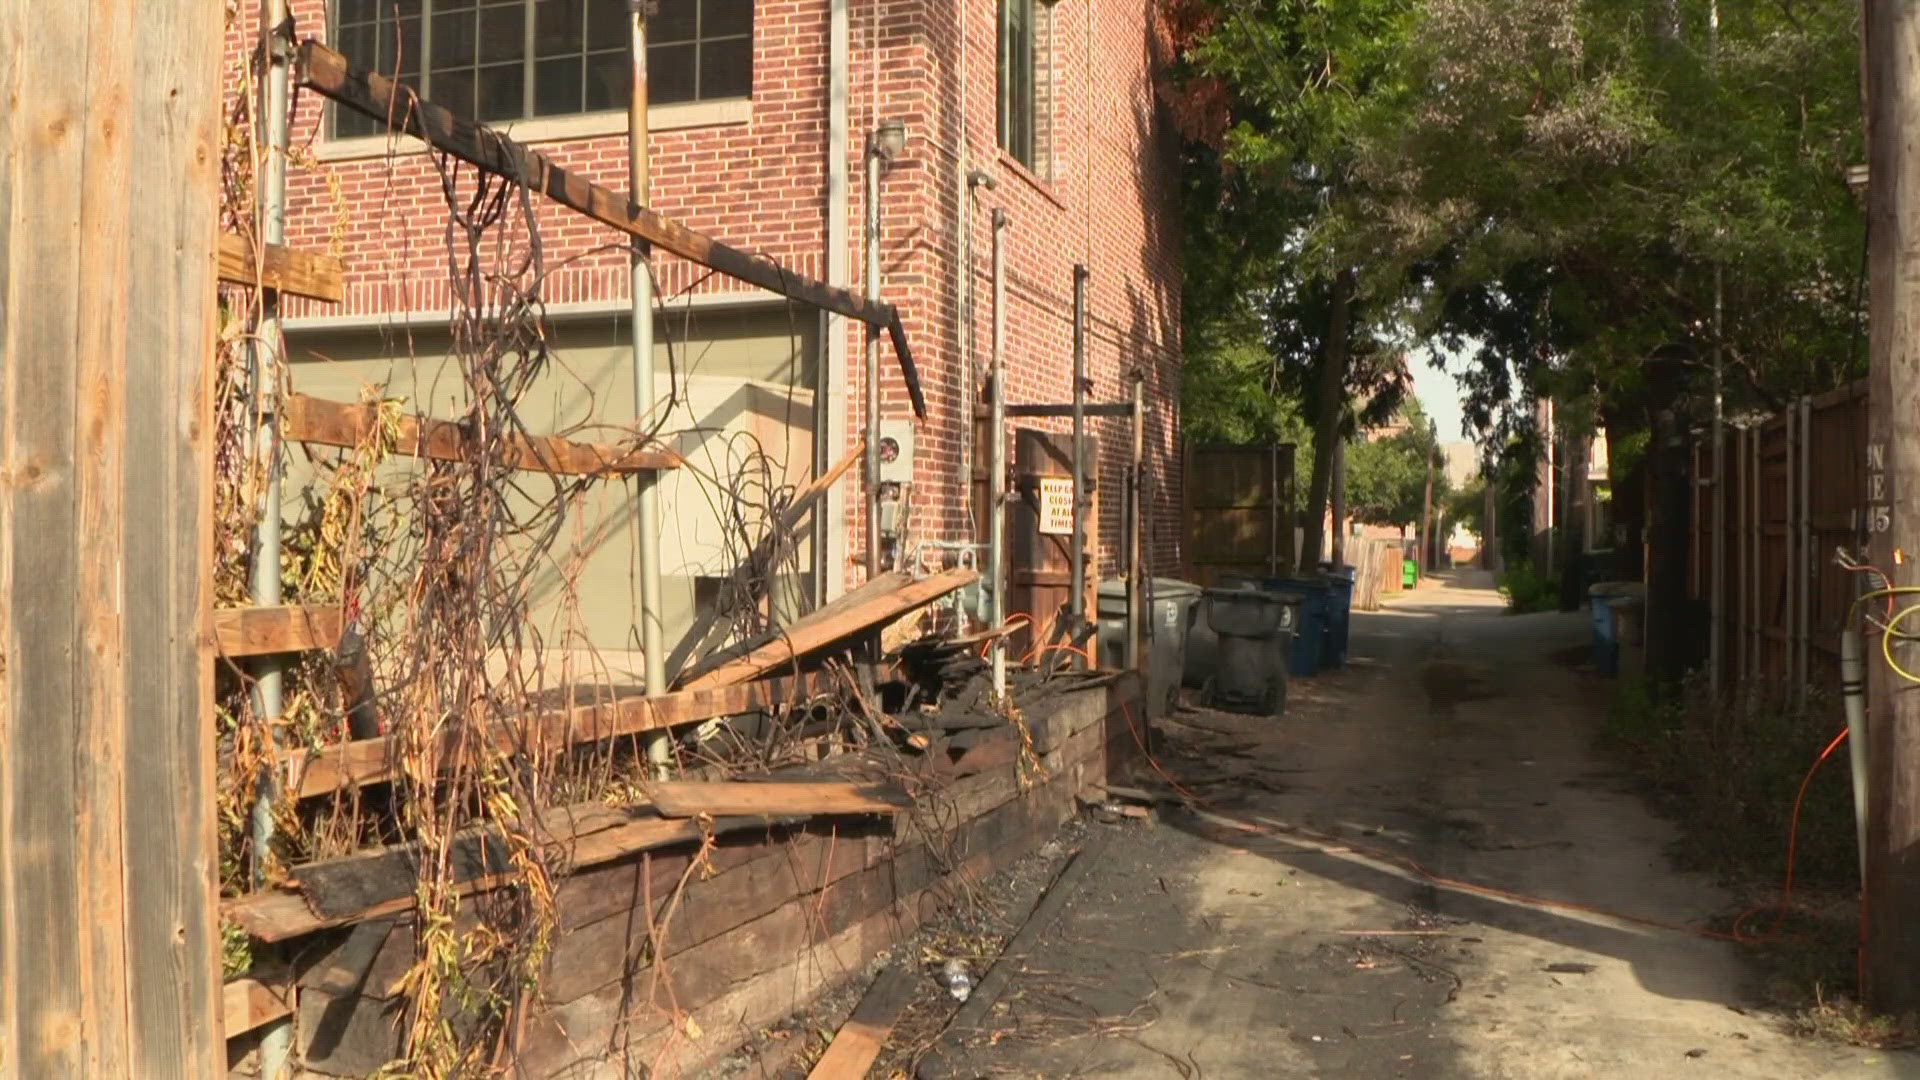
[(828, 625)]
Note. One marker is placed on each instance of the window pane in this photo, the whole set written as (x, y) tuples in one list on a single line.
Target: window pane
[(606, 23), (352, 11), (454, 90), (556, 86), (1016, 79), (503, 34), (674, 20), (408, 53), (452, 39), (670, 75), (348, 124), (607, 80), (355, 43), (726, 68), (556, 28), (723, 18), (502, 92)]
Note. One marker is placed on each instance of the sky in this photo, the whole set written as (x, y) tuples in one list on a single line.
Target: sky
[(1439, 395)]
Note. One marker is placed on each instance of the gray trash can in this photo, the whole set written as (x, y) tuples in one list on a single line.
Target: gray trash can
[(1168, 616), (1253, 634)]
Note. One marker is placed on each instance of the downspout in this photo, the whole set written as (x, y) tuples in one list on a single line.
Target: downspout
[(276, 1044), (830, 528)]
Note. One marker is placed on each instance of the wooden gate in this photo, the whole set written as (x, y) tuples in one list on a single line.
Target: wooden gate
[(1039, 556), (1237, 511)]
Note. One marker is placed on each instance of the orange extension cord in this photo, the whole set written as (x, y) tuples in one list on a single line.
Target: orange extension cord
[(1781, 905)]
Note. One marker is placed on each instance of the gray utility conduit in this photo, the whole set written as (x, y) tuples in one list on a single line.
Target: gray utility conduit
[(1853, 696)]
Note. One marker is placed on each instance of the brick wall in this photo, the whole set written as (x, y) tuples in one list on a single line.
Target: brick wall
[(761, 184)]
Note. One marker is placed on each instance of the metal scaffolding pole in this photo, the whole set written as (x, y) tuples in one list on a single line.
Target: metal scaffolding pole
[(276, 1043), (1077, 578), (646, 489), (1136, 524), (997, 460), (872, 235)]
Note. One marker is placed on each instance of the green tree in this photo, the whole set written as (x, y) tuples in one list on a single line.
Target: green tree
[(1387, 476), (1269, 176)]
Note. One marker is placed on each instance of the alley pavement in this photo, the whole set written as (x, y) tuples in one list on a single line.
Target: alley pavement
[(1360, 892)]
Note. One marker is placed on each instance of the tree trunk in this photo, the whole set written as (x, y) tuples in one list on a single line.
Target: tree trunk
[(1542, 532), (1429, 551), (1338, 499), (1575, 568), (1892, 33), (1674, 638), (1490, 523), (1328, 412)]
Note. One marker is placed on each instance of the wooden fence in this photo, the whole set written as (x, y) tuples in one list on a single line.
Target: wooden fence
[(1376, 564), (1237, 512), (1792, 496)]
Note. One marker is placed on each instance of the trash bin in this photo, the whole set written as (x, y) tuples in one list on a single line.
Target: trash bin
[(1606, 637), (1253, 631), (1168, 616), (1340, 609), (1409, 573), (1313, 644)]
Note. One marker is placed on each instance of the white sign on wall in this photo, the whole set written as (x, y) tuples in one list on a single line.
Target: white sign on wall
[(1056, 505)]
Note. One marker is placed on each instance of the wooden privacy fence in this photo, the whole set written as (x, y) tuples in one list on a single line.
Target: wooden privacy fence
[(1793, 488), (1237, 511), (1376, 566)]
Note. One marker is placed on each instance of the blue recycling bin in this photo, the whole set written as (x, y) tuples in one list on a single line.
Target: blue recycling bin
[(1606, 635), (1340, 610), (1313, 642)]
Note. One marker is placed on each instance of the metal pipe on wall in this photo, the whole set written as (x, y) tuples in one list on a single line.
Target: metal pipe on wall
[(646, 484), (872, 240), (1136, 518), (830, 525), (1077, 556), (997, 461), (276, 1043)]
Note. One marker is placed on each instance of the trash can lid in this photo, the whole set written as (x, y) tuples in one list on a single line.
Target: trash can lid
[(1616, 588), (1161, 588)]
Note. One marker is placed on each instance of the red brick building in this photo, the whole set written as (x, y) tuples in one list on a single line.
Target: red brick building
[(760, 124)]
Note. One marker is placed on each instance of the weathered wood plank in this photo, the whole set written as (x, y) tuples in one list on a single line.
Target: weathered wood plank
[(257, 630), (825, 627), (880, 586), (398, 106), (377, 890), (43, 949), (100, 651), (107, 934), (372, 761), (247, 1003), (774, 798), (287, 270), (858, 1042), (332, 423)]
